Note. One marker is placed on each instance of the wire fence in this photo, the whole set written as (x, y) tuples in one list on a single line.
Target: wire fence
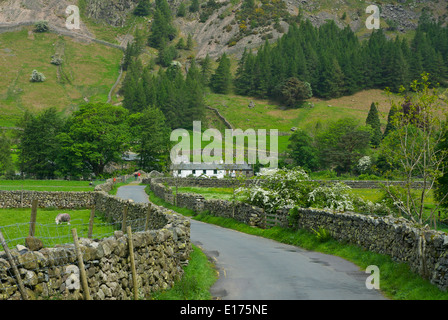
[(61, 270), (53, 234)]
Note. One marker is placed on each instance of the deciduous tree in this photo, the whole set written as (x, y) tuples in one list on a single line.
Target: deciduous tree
[(95, 136)]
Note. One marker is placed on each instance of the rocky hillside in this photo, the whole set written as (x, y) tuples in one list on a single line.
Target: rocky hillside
[(225, 25)]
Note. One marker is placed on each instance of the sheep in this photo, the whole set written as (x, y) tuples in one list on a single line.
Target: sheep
[(62, 217)]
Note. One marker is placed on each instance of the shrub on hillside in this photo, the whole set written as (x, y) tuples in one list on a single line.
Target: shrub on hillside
[(41, 26), (37, 76), (56, 60)]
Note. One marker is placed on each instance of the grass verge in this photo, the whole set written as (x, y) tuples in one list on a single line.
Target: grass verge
[(196, 282)]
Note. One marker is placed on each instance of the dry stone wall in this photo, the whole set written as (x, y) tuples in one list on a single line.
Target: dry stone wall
[(229, 183), (160, 252), (242, 212), (46, 199), (424, 250), (239, 211)]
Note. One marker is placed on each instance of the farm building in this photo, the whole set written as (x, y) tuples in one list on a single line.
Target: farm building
[(218, 170)]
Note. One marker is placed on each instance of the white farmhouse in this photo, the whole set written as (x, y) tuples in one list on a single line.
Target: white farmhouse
[(218, 170)]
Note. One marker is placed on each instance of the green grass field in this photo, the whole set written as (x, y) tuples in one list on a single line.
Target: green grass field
[(45, 185), (14, 224), (208, 193)]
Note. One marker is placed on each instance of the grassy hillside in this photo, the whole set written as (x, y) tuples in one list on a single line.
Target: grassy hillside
[(88, 71), (270, 115)]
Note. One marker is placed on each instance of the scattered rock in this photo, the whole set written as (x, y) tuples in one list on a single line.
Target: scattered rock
[(251, 104), (34, 244)]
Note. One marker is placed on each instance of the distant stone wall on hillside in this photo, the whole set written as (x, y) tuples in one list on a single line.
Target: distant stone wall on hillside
[(228, 183), (46, 199)]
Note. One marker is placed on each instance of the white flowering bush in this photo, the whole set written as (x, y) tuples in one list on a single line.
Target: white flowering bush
[(364, 163), (334, 197), (279, 188), (292, 188), (338, 198)]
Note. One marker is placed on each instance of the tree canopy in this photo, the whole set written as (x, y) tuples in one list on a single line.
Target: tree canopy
[(335, 62), (94, 136)]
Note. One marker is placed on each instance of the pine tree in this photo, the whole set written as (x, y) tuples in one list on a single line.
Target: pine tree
[(194, 96), (221, 80), (194, 7), (190, 44), (395, 68), (143, 8), (373, 120), (182, 10), (206, 70), (161, 29), (390, 127)]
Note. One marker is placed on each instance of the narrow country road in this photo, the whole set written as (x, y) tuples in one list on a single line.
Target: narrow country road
[(255, 268)]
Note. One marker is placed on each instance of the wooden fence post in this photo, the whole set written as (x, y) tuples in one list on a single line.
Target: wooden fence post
[(123, 223), (82, 271), (33, 218), (134, 272), (14, 267), (148, 214), (92, 215)]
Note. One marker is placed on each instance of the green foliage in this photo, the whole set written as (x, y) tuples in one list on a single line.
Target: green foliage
[(190, 44), (336, 63), (207, 9), (322, 234), (167, 54), (206, 70), (94, 136), (441, 189), (5, 154), (255, 16), (180, 44), (293, 91), (303, 151), (221, 80), (182, 10), (133, 49), (162, 30), (150, 136), (38, 147), (37, 76), (143, 8), (41, 26), (194, 7), (342, 144), (415, 146), (196, 282), (373, 120), (180, 98)]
